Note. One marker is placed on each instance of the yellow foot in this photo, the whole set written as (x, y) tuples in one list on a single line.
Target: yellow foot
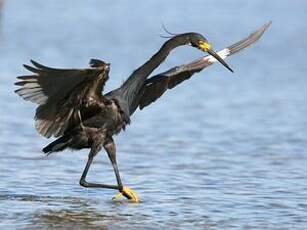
[(129, 194)]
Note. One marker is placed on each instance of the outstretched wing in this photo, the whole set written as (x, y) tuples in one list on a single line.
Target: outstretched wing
[(156, 86), (63, 95)]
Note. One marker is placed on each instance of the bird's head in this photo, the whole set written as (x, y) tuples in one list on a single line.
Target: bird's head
[(198, 41)]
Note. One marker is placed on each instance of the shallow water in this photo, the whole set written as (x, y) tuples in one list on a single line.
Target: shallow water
[(222, 151)]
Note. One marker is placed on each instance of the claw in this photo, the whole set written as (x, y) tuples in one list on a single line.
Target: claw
[(128, 193)]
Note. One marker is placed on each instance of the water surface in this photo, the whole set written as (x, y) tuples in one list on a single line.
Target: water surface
[(222, 151)]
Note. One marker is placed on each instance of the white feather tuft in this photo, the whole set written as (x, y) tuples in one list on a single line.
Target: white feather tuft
[(223, 54)]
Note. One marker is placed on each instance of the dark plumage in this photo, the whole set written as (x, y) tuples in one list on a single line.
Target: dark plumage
[(72, 108)]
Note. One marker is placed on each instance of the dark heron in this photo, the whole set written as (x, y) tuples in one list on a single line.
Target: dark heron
[(72, 108)]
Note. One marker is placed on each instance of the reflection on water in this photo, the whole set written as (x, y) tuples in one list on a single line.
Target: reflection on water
[(220, 152)]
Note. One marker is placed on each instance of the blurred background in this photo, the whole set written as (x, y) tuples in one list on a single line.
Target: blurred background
[(221, 151)]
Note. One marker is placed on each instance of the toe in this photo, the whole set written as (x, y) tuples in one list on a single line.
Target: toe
[(128, 193)]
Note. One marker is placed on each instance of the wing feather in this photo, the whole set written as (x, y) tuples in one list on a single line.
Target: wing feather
[(61, 94), (156, 86)]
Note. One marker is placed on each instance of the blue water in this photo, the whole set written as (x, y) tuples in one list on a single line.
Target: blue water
[(221, 151)]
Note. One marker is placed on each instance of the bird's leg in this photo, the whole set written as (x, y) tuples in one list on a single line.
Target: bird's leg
[(111, 150), (94, 150), (124, 191)]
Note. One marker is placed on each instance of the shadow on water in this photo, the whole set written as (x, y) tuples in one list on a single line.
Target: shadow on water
[(65, 212), (73, 219)]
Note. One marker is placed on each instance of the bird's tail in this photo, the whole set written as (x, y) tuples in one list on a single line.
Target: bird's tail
[(57, 145)]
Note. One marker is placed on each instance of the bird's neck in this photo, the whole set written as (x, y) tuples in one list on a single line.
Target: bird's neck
[(134, 83)]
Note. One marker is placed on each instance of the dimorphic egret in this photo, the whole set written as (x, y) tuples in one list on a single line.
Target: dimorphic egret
[(72, 108)]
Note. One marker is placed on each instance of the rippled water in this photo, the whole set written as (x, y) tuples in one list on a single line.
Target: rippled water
[(222, 151)]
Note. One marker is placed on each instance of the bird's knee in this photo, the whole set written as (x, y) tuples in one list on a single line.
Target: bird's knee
[(83, 183)]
